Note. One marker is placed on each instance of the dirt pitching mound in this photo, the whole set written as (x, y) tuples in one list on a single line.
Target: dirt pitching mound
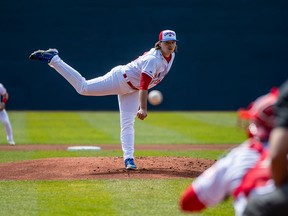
[(103, 168)]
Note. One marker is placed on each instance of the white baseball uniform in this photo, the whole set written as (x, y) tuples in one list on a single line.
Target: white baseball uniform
[(227, 177), (124, 81), (5, 119)]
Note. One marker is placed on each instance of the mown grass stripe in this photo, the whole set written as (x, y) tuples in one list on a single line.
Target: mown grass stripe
[(103, 128)]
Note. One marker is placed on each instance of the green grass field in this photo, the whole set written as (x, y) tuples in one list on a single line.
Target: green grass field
[(110, 197)]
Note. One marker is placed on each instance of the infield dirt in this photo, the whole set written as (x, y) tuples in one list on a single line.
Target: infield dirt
[(106, 167)]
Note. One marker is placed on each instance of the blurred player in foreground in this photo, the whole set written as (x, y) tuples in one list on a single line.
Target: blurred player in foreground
[(276, 203), (4, 116), (130, 82), (243, 172)]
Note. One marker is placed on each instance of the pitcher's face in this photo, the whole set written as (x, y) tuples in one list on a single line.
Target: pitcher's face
[(168, 47)]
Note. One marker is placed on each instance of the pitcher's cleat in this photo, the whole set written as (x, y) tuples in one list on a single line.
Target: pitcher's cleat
[(129, 164), (44, 55)]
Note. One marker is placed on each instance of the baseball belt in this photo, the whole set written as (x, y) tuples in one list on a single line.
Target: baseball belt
[(128, 82)]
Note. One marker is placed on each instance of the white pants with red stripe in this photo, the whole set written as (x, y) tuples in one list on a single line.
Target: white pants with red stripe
[(112, 83), (6, 122)]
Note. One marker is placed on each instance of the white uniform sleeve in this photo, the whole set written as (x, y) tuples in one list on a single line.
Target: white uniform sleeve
[(2, 89), (149, 65), (221, 179)]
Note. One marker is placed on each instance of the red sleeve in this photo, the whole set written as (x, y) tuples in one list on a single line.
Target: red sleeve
[(144, 81), (190, 202)]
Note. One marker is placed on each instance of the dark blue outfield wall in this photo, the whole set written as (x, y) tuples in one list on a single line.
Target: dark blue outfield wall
[(229, 52)]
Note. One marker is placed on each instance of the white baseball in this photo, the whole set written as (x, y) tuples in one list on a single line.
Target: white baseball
[(155, 97)]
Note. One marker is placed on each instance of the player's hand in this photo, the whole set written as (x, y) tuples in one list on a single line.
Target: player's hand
[(142, 114)]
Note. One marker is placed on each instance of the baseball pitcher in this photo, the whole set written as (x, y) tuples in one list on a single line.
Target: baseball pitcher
[(130, 82)]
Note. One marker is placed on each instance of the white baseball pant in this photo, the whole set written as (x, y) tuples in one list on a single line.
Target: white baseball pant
[(6, 122), (112, 83)]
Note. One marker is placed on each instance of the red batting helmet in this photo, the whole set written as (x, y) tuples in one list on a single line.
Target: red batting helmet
[(261, 115)]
